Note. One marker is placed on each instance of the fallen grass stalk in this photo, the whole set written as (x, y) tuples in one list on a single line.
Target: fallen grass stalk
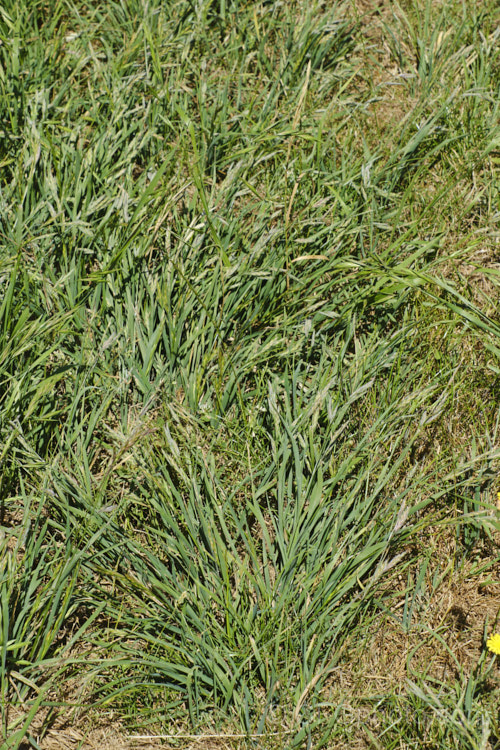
[(205, 736)]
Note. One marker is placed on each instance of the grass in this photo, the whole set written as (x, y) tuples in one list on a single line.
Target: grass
[(249, 361)]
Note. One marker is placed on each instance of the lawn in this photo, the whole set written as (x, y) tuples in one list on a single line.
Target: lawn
[(249, 374)]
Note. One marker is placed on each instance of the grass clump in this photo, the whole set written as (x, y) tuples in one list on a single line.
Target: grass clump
[(249, 366)]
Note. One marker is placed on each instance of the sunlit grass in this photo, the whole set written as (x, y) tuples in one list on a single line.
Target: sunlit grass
[(249, 348)]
